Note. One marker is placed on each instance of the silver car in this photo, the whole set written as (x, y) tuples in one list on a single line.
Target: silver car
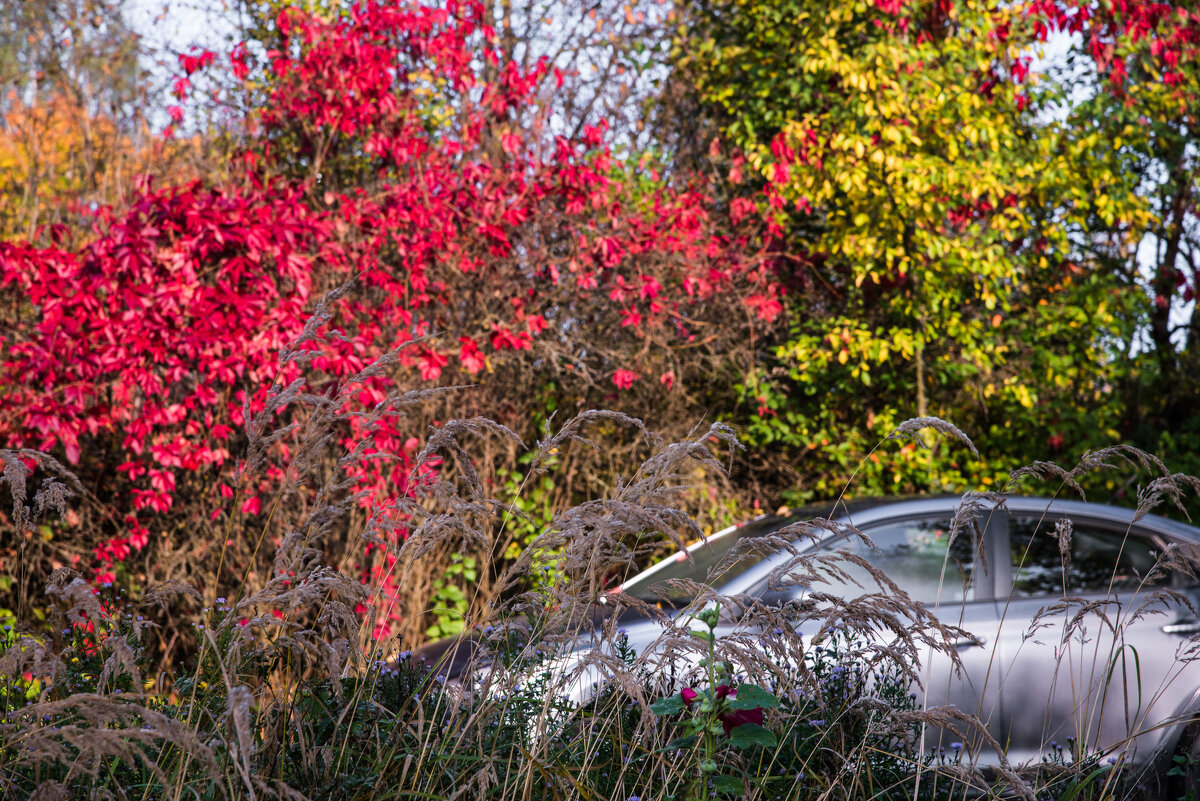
[(1083, 615)]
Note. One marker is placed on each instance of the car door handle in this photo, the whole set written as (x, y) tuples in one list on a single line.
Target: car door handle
[(967, 642), (1182, 627)]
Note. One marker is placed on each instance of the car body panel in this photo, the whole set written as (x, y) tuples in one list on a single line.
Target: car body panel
[(1100, 668)]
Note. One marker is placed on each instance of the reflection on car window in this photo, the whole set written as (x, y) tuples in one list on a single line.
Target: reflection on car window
[(913, 555), (1096, 559)]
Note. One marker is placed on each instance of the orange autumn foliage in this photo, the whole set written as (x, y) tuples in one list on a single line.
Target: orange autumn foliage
[(57, 160)]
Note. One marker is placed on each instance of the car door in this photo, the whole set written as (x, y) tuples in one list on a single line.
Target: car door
[(1088, 642), (951, 576)]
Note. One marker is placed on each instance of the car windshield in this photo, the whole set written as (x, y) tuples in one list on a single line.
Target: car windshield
[(660, 583), (655, 585)]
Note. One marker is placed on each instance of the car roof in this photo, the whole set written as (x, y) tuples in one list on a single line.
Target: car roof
[(867, 511), (1108, 512)]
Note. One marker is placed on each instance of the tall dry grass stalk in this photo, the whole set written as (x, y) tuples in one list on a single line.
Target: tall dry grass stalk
[(288, 692)]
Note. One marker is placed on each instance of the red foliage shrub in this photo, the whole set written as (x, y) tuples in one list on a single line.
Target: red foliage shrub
[(395, 151)]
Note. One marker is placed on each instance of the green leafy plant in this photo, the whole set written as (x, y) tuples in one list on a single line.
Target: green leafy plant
[(717, 714), (450, 597)]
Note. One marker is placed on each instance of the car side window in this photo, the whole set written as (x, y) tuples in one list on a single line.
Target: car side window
[(920, 558), (1057, 557), (912, 554)]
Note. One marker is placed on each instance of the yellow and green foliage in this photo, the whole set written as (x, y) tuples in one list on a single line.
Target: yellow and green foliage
[(924, 204)]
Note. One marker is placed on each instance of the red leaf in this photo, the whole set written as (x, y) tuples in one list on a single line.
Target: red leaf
[(624, 378), (470, 355), (431, 363), (162, 480)]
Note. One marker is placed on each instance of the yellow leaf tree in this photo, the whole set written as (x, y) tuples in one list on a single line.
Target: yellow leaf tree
[(922, 205)]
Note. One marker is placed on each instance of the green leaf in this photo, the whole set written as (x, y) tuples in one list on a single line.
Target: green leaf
[(671, 705), (1090, 779), (680, 743), (751, 734), (751, 696), (728, 784)]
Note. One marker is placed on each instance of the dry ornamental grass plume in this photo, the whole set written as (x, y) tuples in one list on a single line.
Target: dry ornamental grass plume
[(90, 729), (241, 745), (1173, 488), (971, 516), (287, 694), (28, 655), (15, 475), (164, 595), (52, 493), (1062, 535), (74, 598), (121, 661), (1165, 484), (51, 791), (910, 428)]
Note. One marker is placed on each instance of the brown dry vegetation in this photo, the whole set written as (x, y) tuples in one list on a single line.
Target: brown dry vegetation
[(282, 690)]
